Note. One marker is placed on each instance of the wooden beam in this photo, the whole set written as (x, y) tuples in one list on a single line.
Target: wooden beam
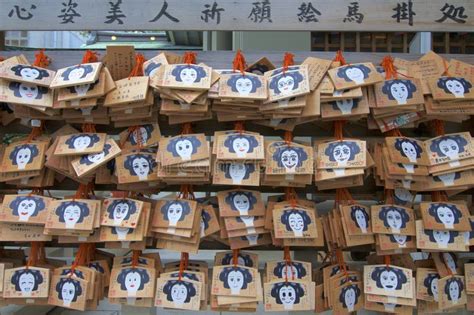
[(242, 15), (2, 40)]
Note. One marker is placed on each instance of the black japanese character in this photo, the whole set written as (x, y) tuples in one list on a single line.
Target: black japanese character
[(165, 13), (22, 13), (308, 13), (212, 12), (115, 13), (261, 11), (353, 14), (454, 13), (404, 11), (69, 12)]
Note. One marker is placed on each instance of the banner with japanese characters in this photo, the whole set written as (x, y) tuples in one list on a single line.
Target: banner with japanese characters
[(231, 15)]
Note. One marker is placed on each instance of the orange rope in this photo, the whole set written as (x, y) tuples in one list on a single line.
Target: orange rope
[(389, 196), (288, 137), (394, 133), (389, 67), (235, 257), (387, 260), (340, 57), (36, 132), (338, 129), (446, 68), (190, 57), (239, 63), (186, 192), (239, 126), (88, 127), (291, 196), (288, 60), (41, 59), (34, 254), (135, 257), (183, 264), (287, 258), (136, 131), (187, 129), (90, 56), (439, 196), (137, 70), (341, 262), (80, 258), (439, 127)]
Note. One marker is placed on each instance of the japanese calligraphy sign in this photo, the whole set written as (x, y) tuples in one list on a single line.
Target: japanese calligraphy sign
[(361, 15)]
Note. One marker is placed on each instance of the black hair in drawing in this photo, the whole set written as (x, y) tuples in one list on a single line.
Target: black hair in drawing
[(165, 210), (27, 91), (281, 79), (37, 279), (441, 151), (136, 171), (26, 202), (87, 87), (403, 146), (92, 138), (343, 71), (205, 218), (148, 129), (394, 217), (200, 73), (293, 292), (451, 283), (187, 286), (150, 67), (234, 80), (330, 151), (433, 211), (281, 266), (138, 272), (447, 236), (19, 153), (359, 209), (446, 82), (86, 159), (87, 69), (428, 282), (400, 86), (75, 283), (226, 271), (342, 296), (228, 259), (183, 143), (388, 278), (97, 266), (285, 219), (240, 199), (246, 168), (229, 142), (29, 72), (84, 210), (289, 157), (119, 206), (70, 272)]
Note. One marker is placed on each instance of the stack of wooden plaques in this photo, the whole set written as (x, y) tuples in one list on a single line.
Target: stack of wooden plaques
[(241, 215), (341, 163), (237, 286), (177, 225), (132, 281), (443, 227), (238, 157), (184, 159)]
